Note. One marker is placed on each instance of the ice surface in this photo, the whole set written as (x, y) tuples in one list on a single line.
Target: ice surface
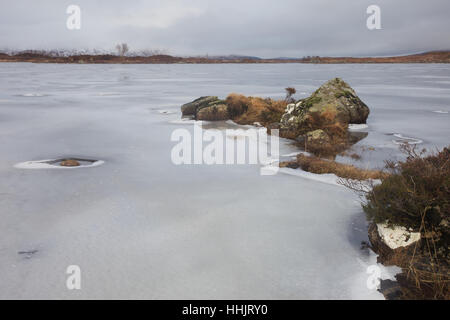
[(141, 227), (187, 121)]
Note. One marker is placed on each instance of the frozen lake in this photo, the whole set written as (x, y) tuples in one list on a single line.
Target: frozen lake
[(141, 227)]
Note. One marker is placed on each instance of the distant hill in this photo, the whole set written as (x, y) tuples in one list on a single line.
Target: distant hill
[(234, 57), (52, 57), (284, 58)]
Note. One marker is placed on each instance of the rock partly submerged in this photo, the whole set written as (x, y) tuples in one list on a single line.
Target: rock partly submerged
[(210, 103), (214, 112), (334, 102), (319, 122)]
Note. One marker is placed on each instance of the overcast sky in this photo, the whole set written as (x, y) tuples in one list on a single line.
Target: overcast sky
[(266, 28)]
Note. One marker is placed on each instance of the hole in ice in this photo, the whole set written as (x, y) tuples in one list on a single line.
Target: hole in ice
[(405, 140), (61, 163)]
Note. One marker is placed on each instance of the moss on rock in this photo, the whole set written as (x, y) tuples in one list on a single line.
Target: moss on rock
[(334, 101)]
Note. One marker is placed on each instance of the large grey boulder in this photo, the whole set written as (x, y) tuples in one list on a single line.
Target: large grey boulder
[(213, 113), (335, 101), (191, 108), (208, 108)]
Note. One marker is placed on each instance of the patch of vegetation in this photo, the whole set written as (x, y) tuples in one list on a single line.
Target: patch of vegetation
[(217, 102), (237, 104), (336, 131), (273, 112), (248, 110), (416, 195)]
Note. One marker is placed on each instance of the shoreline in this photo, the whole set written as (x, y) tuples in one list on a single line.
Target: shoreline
[(27, 56)]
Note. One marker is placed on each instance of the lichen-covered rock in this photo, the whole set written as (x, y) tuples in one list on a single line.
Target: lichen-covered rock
[(335, 101), (214, 113), (208, 108), (191, 108), (317, 137)]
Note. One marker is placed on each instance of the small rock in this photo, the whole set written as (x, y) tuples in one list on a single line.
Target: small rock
[(69, 163)]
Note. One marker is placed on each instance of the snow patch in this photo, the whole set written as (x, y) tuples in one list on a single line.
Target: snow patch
[(328, 178), (290, 108), (28, 95), (440, 111), (405, 140), (397, 236), (356, 127), (294, 154)]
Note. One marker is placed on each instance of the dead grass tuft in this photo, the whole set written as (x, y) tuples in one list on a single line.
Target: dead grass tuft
[(248, 110), (321, 166)]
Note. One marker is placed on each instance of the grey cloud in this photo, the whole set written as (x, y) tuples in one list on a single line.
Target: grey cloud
[(265, 28)]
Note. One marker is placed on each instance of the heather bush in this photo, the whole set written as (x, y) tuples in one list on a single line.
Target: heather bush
[(237, 104), (416, 195)]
